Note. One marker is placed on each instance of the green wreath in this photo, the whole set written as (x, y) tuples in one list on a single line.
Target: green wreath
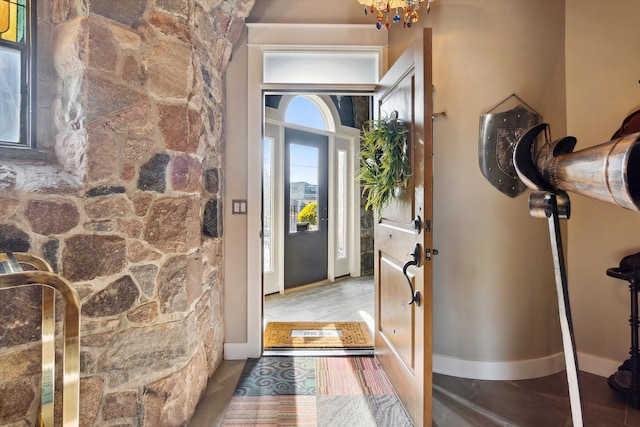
[(384, 162)]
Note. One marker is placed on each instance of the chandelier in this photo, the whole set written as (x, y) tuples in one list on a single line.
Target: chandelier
[(394, 11)]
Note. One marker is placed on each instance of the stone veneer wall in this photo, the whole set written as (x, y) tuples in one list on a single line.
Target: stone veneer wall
[(128, 208)]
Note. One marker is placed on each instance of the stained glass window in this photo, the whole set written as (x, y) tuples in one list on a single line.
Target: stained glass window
[(14, 68)]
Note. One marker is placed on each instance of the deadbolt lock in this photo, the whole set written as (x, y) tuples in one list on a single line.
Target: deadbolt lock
[(428, 252)]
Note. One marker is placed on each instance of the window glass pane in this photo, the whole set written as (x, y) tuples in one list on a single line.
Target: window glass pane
[(267, 205), (21, 22), (342, 203), (303, 111), (10, 97), (4, 16), (303, 187), (13, 20), (321, 67)]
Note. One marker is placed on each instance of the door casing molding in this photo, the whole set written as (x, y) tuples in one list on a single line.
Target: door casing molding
[(303, 38)]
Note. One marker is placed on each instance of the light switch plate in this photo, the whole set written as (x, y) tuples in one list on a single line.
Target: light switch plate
[(239, 207)]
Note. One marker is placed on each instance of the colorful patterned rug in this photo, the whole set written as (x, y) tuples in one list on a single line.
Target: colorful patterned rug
[(317, 335), (314, 391)]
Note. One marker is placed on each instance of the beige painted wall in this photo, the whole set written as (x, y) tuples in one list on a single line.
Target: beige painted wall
[(235, 245), (494, 296), (308, 12), (603, 69)]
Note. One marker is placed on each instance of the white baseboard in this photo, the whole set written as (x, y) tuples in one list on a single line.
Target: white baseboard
[(513, 370), (521, 369), (597, 365), (240, 351), (504, 371)]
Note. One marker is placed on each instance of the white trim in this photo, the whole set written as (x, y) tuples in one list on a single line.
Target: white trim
[(597, 365), (304, 88), (271, 279), (521, 369), (239, 351), (331, 233), (342, 264), (253, 346), (258, 36), (503, 371)]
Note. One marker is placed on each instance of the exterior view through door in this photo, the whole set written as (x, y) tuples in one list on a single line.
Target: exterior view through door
[(311, 210), (311, 205)]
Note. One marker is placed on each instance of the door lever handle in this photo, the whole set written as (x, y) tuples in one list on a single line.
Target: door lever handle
[(416, 254)]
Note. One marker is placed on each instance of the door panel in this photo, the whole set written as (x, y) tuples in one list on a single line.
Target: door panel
[(396, 319), (306, 182), (403, 339)]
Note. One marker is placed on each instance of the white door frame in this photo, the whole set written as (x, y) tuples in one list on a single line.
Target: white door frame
[(303, 38)]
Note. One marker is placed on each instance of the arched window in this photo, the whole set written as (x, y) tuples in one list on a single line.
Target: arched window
[(305, 111)]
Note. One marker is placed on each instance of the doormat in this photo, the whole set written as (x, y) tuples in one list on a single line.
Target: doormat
[(317, 335)]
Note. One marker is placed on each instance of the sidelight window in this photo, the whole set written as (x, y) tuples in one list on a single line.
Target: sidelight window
[(268, 185)]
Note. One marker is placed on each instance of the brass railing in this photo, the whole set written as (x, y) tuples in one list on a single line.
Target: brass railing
[(12, 275)]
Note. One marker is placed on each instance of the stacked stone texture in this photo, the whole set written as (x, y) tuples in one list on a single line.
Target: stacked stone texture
[(129, 208)]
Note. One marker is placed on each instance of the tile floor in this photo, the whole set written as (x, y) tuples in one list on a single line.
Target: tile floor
[(457, 402), (346, 300)]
